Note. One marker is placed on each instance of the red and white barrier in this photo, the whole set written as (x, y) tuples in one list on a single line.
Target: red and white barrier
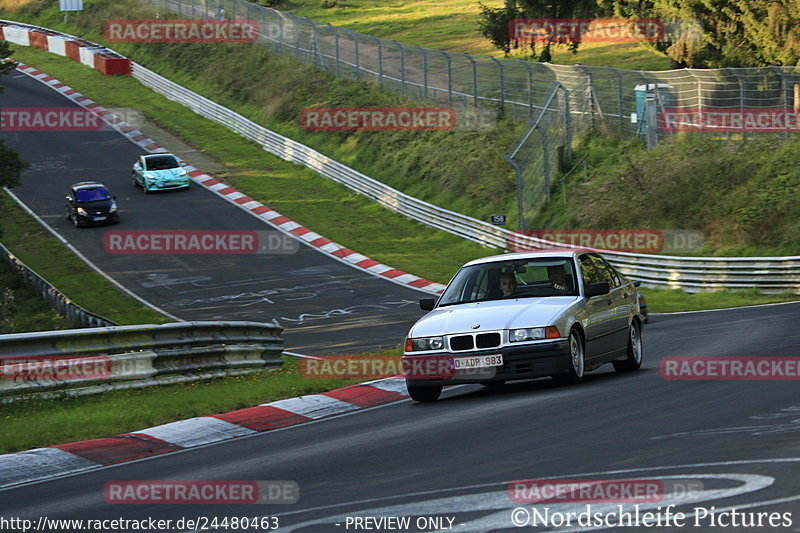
[(90, 54)]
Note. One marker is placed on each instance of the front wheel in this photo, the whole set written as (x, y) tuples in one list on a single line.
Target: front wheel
[(424, 393), (577, 360), (634, 359)]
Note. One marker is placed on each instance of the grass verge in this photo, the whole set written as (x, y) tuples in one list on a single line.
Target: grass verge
[(35, 423), (22, 310), (452, 25)]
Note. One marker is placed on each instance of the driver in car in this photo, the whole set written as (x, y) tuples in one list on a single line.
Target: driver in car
[(557, 277)]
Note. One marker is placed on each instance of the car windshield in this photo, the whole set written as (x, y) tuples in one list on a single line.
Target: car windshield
[(91, 195), (161, 162), (521, 278)]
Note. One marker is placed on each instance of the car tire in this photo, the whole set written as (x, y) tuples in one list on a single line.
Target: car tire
[(634, 359), (135, 183), (577, 360), (424, 393), (76, 222)]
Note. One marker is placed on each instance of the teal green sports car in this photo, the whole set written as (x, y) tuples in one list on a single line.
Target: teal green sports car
[(159, 172)]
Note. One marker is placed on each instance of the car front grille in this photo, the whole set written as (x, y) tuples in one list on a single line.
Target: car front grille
[(469, 342), (463, 342), (487, 340)]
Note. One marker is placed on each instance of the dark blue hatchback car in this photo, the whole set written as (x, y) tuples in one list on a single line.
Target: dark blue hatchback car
[(89, 203)]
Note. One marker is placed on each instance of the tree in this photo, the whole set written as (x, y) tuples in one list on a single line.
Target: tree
[(11, 166), (728, 33), (494, 23)]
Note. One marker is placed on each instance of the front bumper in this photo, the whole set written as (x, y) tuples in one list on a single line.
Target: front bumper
[(519, 362), (155, 186), (104, 218)]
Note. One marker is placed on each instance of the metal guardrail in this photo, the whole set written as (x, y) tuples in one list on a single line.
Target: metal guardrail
[(57, 300), (770, 274), (61, 361), (694, 274)]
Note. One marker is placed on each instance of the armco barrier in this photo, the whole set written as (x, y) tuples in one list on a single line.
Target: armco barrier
[(66, 307), (693, 274), (133, 353), (90, 54)]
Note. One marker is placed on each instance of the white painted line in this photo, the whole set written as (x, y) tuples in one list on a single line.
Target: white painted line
[(301, 356), (723, 309), (196, 431), (40, 463), (86, 260), (314, 406)]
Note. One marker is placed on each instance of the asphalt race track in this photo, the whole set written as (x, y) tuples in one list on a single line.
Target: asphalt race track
[(325, 306), (734, 442)]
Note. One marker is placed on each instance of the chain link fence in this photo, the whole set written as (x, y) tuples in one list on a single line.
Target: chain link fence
[(613, 96), (651, 104)]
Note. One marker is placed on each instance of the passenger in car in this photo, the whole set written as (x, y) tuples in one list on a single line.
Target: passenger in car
[(508, 284), (558, 277)]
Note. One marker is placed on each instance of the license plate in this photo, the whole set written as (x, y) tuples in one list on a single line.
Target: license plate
[(99, 218), (170, 184), (477, 361)]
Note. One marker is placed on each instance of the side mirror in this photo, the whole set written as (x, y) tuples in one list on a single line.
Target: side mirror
[(113, 196), (67, 198), (183, 163), (637, 283), (427, 304), (597, 289)]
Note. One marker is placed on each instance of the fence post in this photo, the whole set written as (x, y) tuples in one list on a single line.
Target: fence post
[(518, 172), (651, 120), (546, 163), (380, 60), (424, 72), (402, 67), (567, 119), (785, 94), (502, 83), (529, 68), (336, 40), (741, 99), (449, 78), (589, 91), (474, 79), (620, 108)]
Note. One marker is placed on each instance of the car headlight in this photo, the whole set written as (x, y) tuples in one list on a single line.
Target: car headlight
[(81, 211), (150, 177), (113, 207), (424, 344), (183, 173), (533, 334)]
